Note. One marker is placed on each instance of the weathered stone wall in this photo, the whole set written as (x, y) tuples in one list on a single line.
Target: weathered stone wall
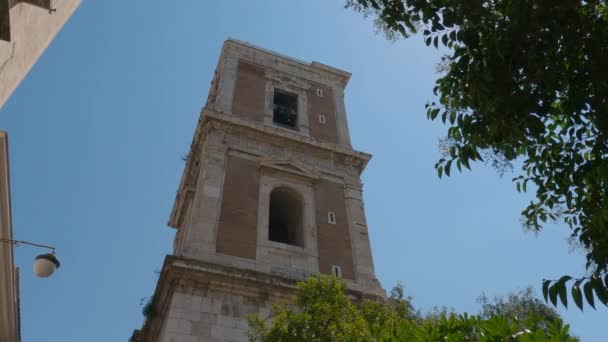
[(200, 314), (32, 30), (202, 302)]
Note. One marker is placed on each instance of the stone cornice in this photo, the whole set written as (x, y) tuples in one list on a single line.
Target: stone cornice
[(218, 120), (316, 71), (290, 166)]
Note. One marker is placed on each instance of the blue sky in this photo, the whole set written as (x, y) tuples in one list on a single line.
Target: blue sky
[(98, 128)]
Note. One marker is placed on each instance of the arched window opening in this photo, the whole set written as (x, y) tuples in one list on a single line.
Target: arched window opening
[(285, 217)]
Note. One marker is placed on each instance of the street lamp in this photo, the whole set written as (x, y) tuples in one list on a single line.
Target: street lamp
[(44, 264)]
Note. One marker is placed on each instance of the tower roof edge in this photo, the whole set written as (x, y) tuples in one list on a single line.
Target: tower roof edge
[(343, 75)]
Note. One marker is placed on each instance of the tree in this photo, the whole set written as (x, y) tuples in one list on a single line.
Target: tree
[(521, 304), (323, 312), (526, 81)]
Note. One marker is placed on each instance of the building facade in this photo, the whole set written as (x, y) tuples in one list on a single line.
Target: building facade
[(9, 276), (270, 195), (27, 27)]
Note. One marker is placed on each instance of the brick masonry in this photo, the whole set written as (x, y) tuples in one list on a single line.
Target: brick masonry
[(237, 226)]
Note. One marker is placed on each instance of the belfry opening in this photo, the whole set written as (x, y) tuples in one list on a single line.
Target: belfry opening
[(285, 217)]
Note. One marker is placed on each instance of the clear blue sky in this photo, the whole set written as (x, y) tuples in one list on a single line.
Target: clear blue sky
[(99, 126)]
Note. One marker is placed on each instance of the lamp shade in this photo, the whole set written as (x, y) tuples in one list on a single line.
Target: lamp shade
[(45, 265)]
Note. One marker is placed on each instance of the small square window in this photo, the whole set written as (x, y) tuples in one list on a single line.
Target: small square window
[(321, 119), (319, 92), (336, 270), (331, 217), (285, 109)]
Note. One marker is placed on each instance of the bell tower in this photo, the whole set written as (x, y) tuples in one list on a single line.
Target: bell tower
[(270, 195)]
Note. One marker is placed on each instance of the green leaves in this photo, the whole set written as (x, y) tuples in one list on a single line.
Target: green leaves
[(447, 167), (546, 284), (563, 294), (588, 289), (323, 312), (558, 289), (552, 290), (577, 296), (601, 291)]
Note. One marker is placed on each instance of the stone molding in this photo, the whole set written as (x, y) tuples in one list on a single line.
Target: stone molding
[(289, 166), (292, 84), (230, 123)]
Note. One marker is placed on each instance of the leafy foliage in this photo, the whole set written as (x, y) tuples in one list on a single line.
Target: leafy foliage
[(323, 312), (149, 308), (525, 80), (584, 287), (522, 304)]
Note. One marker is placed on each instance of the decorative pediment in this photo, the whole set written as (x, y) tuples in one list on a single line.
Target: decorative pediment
[(290, 166), (287, 80)]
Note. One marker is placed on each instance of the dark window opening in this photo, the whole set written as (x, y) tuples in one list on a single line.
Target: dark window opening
[(285, 217), (285, 109), (337, 271)]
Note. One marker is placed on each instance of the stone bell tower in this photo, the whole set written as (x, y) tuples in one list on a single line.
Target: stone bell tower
[(270, 194)]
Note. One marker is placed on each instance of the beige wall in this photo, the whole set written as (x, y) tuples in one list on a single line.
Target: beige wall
[(9, 299), (32, 29), (215, 313)]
